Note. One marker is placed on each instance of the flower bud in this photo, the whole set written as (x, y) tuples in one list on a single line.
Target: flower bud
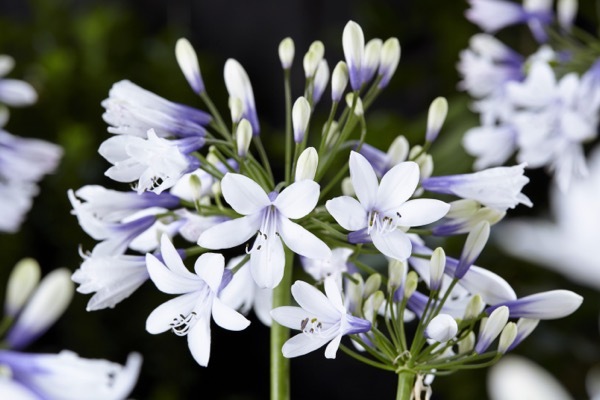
[(476, 241), (321, 80), (437, 265), (354, 293), (195, 187), (239, 86), (332, 135), (396, 273), (339, 81), (243, 137), (467, 344), (371, 59), (441, 328), (491, 328), (372, 305), (436, 117), (286, 53), (308, 161), (390, 57), (347, 187), (300, 118), (46, 305), (353, 43), (358, 108), (410, 285), (507, 337), (566, 11), (22, 281), (188, 62), (372, 284), (474, 308), (312, 58), (398, 151), (236, 108)]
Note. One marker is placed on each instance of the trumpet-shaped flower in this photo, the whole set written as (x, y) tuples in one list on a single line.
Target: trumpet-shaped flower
[(321, 317), (270, 216), (239, 87), (190, 313), (382, 207)]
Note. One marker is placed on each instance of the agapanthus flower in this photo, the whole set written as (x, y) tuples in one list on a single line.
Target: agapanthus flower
[(189, 314), (333, 266), (384, 207), (239, 87), (14, 92), (270, 216), (322, 318)]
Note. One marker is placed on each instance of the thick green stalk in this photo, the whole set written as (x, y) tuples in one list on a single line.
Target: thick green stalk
[(280, 366), (406, 382)]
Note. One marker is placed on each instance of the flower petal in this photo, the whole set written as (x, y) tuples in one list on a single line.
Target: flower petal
[(394, 244), (168, 281), (267, 263), (301, 241), (199, 341), (171, 257), (314, 301), (332, 347), (227, 318), (290, 316), (230, 233), (364, 180), (160, 319), (209, 267), (243, 194), (397, 185), (302, 344), (332, 290), (421, 212), (347, 212), (298, 199)]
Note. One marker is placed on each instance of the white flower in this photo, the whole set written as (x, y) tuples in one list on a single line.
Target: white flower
[(268, 215), (190, 313), (382, 207), (334, 266), (188, 62), (321, 319), (14, 92), (239, 87), (441, 328)]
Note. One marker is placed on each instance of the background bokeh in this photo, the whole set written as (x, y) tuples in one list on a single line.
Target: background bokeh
[(73, 51)]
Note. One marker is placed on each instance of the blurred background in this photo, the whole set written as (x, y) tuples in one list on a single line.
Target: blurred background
[(73, 51)]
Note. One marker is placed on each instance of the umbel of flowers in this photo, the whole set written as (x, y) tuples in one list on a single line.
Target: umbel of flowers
[(203, 182)]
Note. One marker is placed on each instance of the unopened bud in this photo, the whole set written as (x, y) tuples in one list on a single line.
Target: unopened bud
[(321, 81), (300, 118), (332, 134), (410, 285), (286, 53), (353, 43), (243, 137), (236, 108), (507, 337), (491, 328), (347, 187), (358, 107), (396, 272), (390, 57), (371, 59), (476, 241), (372, 305), (312, 58), (22, 281), (398, 150), (372, 284), (437, 265), (566, 11), (436, 117), (441, 328), (474, 308), (467, 344), (308, 161), (339, 81), (188, 62)]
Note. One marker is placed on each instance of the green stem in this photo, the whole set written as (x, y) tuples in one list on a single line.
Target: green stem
[(280, 366), (406, 382)]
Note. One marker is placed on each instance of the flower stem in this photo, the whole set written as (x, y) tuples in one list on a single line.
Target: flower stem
[(406, 382), (280, 366)]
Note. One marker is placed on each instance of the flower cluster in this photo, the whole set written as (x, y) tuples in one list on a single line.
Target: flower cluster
[(23, 161), (204, 183), (31, 306), (543, 106)]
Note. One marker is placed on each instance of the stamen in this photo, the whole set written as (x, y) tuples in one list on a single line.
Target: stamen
[(182, 324)]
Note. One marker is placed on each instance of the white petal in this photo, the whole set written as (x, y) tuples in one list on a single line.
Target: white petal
[(302, 344), (188, 62), (397, 185), (230, 233), (301, 241), (332, 347), (267, 263), (364, 179), (314, 301), (332, 290), (171, 257), (209, 267), (298, 199), (243, 194), (290, 316), (227, 318), (199, 341), (421, 212), (491, 287), (160, 319), (347, 212), (394, 244), (168, 281)]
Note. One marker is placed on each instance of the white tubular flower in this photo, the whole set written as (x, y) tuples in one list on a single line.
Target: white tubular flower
[(300, 118), (437, 266), (476, 241), (270, 216), (390, 57), (498, 188), (286, 52), (339, 81), (353, 43), (112, 278), (436, 117), (45, 306), (553, 304), (156, 163), (492, 328), (321, 319), (66, 376), (441, 328), (190, 313), (308, 161), (243, 137), (239, 86), (383, 207), (370, 63), (188, 62), (321, 81), (23, 279), (464, 216)]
